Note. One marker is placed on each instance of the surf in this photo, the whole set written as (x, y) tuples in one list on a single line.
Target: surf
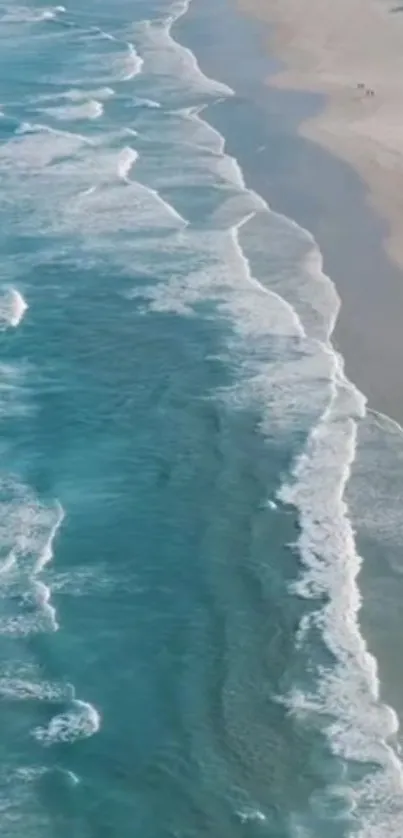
[(349, 692), (260, 277), (79, 721), (12, 308)]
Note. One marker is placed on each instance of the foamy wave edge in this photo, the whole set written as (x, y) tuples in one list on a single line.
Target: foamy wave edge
[(80, 721), (12, 308), (350, 691)]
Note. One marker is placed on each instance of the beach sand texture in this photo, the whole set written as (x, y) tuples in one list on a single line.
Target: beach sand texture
[(346, 49)]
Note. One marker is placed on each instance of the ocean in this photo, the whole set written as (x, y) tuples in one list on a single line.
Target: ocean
[(190, 483)]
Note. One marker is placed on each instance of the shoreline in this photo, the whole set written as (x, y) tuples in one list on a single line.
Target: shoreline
[(308, 183), (318, 190), (352, 52)]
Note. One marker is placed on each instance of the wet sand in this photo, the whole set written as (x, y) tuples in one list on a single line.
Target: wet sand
[(352, 51), (314, 182)]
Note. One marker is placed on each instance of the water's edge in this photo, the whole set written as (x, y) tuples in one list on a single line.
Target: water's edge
[(315, 188), (323, 194)]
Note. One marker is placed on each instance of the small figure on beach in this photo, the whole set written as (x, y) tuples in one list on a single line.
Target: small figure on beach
[(368, 90)]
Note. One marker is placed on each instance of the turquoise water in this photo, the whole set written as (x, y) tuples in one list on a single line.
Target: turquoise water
[(180, 652)]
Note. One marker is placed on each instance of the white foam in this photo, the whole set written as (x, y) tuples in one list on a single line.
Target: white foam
[(36, 146), (208, 138), (105, 208), (26, 525), (106, 35), (46, 554), (133, 63), (205, 136), (101, 93), (91, 109), (300, 302), (80, 721), (251, 815), (72, 777), (42, 596), (139, 101), (289, 307), (27, 532), (42, 592), (19, 307), (175, 66), (35, 129), (76, 94), (347, 692), (127, 159), (21, 689), (289, 262), (12, 308)]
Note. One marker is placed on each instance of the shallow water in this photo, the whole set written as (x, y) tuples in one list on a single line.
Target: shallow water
[(179, 645)]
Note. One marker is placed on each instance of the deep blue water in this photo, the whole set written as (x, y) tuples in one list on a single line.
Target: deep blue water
[(179, 647)]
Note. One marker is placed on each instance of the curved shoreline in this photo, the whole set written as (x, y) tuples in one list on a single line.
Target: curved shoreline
[(327, 538), (350, 55), (352, 52), (303, 180)]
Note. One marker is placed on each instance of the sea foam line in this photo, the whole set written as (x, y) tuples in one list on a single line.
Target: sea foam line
[(19, 307), (90, 109), (12, 308), (158, 38), (134, 63), (350, 691), (127, 159), (39, 127), (26, 524), (181, 7)]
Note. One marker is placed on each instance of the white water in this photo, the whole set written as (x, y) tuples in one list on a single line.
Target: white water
[(363, 726), (12, 308), (80, 721), (133, 64), (239, 263), (92, 109), (127, 159)]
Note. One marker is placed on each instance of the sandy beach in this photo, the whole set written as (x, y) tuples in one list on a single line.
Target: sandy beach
[(352, 51)]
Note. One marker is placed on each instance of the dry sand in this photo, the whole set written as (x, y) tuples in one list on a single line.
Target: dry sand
[(332, 47)]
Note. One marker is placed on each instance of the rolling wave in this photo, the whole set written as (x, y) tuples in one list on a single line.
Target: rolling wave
[(80, 721)]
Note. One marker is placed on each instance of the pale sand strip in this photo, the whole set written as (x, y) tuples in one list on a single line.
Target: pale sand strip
[(331, 46)]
